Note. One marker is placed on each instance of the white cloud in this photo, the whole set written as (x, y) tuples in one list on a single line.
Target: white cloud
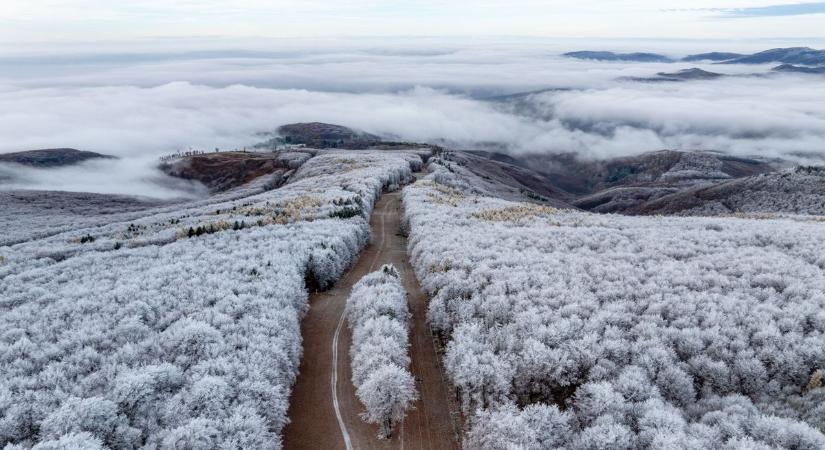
[(744, 115), (132, 106), (132, 176)]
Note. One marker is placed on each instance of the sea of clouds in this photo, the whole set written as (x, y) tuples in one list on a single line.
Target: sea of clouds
[(142, 102)]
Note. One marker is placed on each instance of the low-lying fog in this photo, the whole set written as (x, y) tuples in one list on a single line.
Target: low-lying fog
[(139, 104)]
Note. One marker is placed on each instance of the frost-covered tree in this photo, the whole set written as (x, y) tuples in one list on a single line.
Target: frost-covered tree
[(377, 314), (387, 393)]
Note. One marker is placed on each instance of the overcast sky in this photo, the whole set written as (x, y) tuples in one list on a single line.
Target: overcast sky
[(48, 21)]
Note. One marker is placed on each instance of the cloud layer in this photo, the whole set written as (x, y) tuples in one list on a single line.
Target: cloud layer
[(137, 109), (132, 176)]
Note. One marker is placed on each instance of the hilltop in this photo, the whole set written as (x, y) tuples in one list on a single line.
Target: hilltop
[(325, 135), (52, 157)]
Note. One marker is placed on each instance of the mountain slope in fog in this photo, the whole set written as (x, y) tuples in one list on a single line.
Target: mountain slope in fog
[(52, 157), (611, 56), (790, 68), (691, 74), (792, 55), (712, 56), (325, 135)]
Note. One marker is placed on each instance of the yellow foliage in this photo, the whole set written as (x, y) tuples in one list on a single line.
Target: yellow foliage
[(817, 381), (284, 212), (288, 211), (293, 209), (514, 213), (757, 216), (443, 195)]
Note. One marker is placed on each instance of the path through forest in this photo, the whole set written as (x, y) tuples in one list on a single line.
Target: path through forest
[(323, 407)]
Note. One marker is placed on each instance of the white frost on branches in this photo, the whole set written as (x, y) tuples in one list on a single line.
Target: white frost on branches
[(377, 314), (136, 334), (574, 330)]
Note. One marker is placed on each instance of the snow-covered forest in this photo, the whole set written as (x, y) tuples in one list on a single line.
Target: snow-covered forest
[(377, 314), (574, 330), (179, 327)]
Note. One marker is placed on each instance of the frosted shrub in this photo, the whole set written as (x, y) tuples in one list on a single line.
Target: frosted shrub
[(71, 441), (171, 341), (537, 427), (94, 415), (377, 314), (649, 332)]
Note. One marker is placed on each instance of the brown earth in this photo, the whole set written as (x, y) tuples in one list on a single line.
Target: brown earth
[(314, 423), (220, 171)]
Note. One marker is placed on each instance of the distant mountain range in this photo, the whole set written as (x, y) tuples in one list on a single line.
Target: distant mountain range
[(795, 55), (790, 68), (800, 56)]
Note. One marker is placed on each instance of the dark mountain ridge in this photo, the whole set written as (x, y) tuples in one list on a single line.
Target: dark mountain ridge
[(691, 74), (790, 68), (794, 55), (804, 56), (51, 157), (678, 76)]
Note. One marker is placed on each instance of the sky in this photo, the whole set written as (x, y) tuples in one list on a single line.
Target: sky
[(60, 21)]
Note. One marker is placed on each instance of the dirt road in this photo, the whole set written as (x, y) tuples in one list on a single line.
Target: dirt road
[(323, 407)]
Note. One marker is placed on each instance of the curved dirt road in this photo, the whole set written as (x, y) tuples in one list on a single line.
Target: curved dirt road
[(316, 423)]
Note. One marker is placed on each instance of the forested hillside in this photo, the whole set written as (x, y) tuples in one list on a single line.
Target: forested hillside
[(566, 329), (178, 328)]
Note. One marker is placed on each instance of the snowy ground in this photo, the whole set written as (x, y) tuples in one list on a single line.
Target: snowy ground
[(575, 330), (178, 328)]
